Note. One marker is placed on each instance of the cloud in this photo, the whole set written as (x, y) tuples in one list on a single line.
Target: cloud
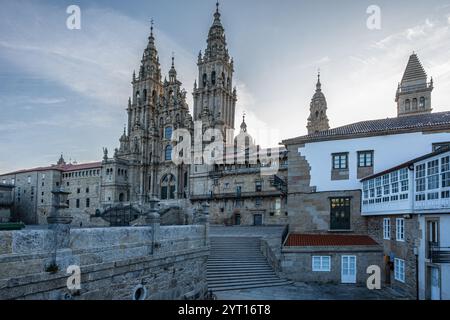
[(92, 61)]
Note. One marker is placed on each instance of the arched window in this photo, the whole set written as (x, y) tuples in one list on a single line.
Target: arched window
[(422, 103), (168, 187), (168, 153), (223, 79), (407, 105), (161, 121), (121, 197), (168, 133), (145, 94), (414, 104), (229, 83), (205, 79), (213, 78), (317, 114)]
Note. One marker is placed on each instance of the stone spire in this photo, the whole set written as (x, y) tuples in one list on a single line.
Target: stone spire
[(173, 72), (414, 92), (318, 120), (243, 124), (150, 66), (214, 88), (217, 45)]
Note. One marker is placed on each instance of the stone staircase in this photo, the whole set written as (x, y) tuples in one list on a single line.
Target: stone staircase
[(237, 263)]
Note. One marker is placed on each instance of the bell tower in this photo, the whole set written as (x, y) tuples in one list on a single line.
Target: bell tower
[(318, 120), (414, 91), (214, 95)]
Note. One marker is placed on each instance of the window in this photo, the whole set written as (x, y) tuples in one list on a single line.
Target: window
[(238, 191), (433, 174), (400, 229), (422, 103), (414, 104), (78, 203), (87, 190), (258, 186), (29, 179), (278, 207), (340, 214), (386, 228), (407, 105), (213, 78), (440, 145), (78, 190), (168, 153), (340, 161), (258, 202), (365, 159), (88, 202), (168, 189), (399, 267), (168, 133), (445, 172), (321, 263)]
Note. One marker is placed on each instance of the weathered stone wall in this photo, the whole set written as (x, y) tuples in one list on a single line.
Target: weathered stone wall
[(310, 212), (297, 263), (114, 263), (398, 249)]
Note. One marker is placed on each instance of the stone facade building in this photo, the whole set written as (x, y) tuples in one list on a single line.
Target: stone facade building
[(6, 202), (325, 196), (143, 166)]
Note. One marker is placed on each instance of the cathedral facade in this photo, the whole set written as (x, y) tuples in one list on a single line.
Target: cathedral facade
[(143, 167)]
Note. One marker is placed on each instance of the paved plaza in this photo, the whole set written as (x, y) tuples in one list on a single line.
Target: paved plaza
[(303, 291)]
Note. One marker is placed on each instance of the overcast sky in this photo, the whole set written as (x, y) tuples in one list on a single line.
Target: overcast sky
[(66, 90)]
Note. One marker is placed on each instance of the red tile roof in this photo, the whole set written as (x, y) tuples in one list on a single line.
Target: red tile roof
[(62, 168), (316, 240), (83, 166)]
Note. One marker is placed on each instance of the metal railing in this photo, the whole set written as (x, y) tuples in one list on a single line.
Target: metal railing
[(439, 254)]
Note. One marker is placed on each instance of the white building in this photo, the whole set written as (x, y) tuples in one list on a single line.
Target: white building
[(417, 190)]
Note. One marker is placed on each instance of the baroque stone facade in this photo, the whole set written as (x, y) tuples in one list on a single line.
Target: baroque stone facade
[(143, 166)]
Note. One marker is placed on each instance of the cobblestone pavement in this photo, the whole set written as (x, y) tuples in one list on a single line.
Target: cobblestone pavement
[(304, 291)]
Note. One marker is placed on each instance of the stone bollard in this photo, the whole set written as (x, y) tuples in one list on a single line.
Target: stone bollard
[(60, 225), (153, 219), (203, 219), (58, 222)]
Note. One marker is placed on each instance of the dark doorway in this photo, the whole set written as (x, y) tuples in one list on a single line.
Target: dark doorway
[(340, 214), (237, 219), (257, 220)]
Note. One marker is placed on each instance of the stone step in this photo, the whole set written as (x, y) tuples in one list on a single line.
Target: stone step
[(229, 281), (238, 273), (241, 267), (241, 277), (236, 265), (249, 286)]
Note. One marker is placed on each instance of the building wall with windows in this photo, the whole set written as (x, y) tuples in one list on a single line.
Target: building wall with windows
[(325, 176), (399, 238), (434, 270)]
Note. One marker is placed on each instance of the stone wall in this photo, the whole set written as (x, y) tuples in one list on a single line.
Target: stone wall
[(398, 249), (116, 263), (297, 263)]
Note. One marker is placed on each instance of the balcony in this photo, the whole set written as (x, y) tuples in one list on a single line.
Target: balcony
[(235, 195), (439, 254), (6, 202)]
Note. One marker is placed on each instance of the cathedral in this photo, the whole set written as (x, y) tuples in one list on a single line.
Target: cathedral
[(158, 108)]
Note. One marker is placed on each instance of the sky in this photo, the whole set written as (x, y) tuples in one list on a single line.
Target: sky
[(66, 91)]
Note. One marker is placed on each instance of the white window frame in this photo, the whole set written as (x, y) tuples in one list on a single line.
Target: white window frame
[(387, 228), (321, 263), (399, 270), (400, 229)]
